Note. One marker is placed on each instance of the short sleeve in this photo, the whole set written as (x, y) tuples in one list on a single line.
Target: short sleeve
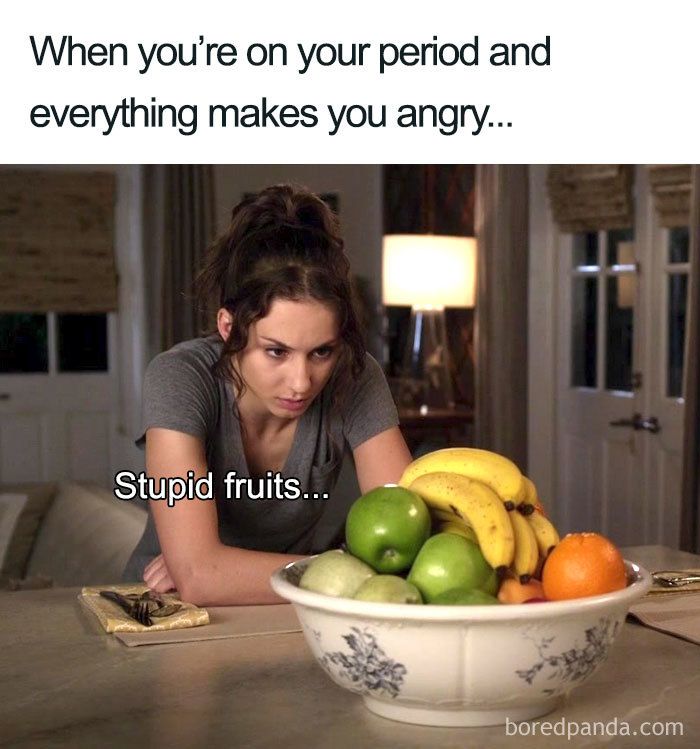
[(371, 408), (179, 394)]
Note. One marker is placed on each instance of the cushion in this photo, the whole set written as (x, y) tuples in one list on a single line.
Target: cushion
[(38, 499), (11, 506), (87, 536)]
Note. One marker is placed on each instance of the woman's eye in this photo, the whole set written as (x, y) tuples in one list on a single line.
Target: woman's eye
[(323, 353), (276, 353)]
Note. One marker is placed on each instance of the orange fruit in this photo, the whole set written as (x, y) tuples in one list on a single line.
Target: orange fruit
[(513, 591), (583, 564)]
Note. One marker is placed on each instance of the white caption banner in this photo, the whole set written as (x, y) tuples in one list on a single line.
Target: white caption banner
[(367, 82)]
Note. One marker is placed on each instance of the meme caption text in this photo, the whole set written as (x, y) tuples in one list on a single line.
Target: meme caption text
[(129, 485), (304, 59)]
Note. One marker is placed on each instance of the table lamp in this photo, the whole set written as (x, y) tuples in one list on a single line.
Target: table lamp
[(428, 272)]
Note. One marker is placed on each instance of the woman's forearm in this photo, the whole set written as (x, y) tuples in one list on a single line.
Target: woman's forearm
[(229, 576)]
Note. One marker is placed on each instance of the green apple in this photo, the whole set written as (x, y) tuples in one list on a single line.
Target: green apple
[(464, 597), (387, 527), (446, 561), (388, 589), (335, 573)]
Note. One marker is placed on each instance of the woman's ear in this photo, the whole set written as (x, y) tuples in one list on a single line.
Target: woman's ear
[(224, 322)]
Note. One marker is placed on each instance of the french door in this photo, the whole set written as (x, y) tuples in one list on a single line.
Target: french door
[(620, 345)]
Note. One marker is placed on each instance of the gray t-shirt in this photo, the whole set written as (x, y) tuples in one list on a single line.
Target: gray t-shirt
[(182, 393)]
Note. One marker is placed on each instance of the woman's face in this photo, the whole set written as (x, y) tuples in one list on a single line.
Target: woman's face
[(290, 357)]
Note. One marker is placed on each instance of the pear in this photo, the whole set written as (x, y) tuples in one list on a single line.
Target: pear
[(335, 573), (388, 589)]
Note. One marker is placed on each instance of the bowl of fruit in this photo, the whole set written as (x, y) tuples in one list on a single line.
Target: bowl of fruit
[(454, 602)]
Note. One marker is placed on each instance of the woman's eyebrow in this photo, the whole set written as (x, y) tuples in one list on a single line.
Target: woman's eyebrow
[(284, 345)]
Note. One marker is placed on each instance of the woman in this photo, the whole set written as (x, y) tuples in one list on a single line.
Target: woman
[(283, 385)]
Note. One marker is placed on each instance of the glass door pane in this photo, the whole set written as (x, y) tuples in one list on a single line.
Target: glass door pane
[(679, 244), (23, 343), (584, 338), (618, 254), (677, 297), (619, 332), (82, 343), (586, 249)]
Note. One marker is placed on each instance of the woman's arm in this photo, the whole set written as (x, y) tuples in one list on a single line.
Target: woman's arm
[(204, 571), (381, 459)]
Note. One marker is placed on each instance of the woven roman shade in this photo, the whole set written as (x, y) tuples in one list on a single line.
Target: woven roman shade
[(591, 197), (57, 241), (670, 186)]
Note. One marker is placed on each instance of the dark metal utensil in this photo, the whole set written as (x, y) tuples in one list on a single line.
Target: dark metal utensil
[(166, 610), (674, 578), (141, 613), (142, 608), (137, 610)]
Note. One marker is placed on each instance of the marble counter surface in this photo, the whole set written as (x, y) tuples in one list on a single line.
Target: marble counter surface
[(63, 682)]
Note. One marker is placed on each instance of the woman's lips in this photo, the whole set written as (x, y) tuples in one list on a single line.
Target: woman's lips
[(292, 405)]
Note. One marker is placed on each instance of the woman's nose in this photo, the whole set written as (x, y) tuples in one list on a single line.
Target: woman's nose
[(301, 377)]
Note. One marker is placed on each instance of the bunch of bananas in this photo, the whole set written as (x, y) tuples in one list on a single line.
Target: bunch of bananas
[(484, 497)]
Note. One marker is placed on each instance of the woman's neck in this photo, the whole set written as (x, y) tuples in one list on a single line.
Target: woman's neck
[(258, 421)]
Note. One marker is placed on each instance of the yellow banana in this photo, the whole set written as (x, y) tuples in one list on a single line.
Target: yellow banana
[(526, 550), (446, 516), (475, 503), (531, 496), (545, 532), (460, 529), (448, 522), (492, 469)]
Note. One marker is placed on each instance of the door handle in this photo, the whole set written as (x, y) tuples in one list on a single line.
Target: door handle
[(638, 423)]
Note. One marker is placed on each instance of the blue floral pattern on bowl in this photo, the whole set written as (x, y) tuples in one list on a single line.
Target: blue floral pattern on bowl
[(367, 667), (576, 663)]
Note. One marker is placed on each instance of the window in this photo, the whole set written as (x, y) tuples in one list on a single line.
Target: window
[(603, 293), (26, 341)]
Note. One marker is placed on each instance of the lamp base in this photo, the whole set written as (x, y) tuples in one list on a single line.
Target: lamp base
[(426, 379)]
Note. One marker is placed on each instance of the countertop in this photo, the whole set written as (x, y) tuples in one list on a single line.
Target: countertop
[(66, 683)]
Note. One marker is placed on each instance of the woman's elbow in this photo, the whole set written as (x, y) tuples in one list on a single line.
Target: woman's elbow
[(190, 592), (189, 577)]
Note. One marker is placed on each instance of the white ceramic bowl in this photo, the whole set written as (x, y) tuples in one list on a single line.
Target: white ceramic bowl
[(459, 665)]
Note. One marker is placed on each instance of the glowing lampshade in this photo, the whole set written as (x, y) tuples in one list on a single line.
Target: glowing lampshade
[(427, 271)]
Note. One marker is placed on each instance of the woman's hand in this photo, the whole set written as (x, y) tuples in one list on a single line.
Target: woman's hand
[(157, 577)]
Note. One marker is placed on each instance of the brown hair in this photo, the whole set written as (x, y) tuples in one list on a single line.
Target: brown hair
[(282, 243)]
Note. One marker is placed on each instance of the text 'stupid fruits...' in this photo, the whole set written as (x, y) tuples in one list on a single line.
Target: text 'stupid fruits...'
[(583, 564), (387, 527), (335, 573), (446, 561)]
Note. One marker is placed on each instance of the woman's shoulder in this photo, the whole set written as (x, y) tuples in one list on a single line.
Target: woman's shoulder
[(372, 373), (180, 389), (192, 358), (370, 408)]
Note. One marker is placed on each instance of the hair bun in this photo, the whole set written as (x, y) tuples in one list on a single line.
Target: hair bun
[(281, 224), (311, 215)]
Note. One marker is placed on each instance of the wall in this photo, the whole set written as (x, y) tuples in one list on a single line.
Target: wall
[(359, 188), (542, 362)]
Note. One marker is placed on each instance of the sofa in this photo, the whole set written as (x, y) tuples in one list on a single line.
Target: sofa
[(66, 534)]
